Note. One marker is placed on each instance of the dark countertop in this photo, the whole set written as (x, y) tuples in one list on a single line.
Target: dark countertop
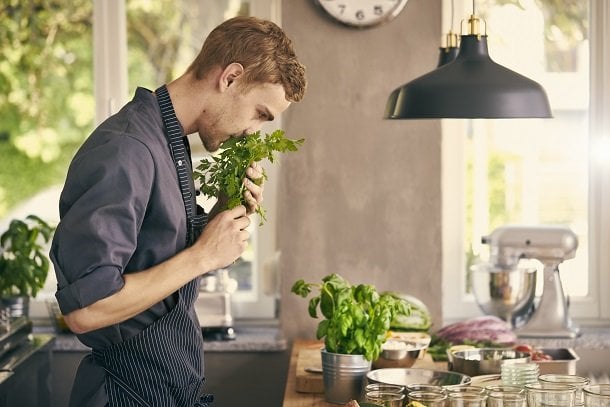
[(266, 336), (591, 338), (249, 338)]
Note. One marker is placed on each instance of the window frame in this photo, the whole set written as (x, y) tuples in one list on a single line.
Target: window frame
[(593, 309)]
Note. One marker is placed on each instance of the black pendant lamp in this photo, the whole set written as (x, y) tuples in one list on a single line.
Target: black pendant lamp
[(446, 55), (450, 52), (471, 86)]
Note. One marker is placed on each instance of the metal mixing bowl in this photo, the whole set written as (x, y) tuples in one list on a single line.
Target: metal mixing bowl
[(507, 294), (399, 356), (484, 361), (406, 376)]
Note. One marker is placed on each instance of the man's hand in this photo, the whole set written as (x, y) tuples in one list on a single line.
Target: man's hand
[(254, 183), (224, 238)]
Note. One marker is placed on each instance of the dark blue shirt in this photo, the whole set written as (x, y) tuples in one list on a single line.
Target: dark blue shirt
[(121, 211)]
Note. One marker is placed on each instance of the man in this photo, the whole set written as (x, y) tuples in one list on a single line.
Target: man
[(132, 243)]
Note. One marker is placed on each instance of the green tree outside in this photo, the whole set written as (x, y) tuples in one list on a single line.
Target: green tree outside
[(46, 93)]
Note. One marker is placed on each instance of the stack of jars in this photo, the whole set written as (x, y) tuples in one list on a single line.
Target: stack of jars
[(549, 390)]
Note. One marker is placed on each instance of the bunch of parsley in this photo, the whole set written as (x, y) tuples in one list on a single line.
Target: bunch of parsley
[(357, 317), (223, 174)]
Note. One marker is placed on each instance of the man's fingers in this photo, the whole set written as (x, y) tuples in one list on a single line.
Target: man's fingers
[(243, 222)]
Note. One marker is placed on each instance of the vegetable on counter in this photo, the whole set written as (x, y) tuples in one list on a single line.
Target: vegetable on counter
[(419, 320), (223, 174), (535, 354), (438, 347), (481, 332), (485, 328)]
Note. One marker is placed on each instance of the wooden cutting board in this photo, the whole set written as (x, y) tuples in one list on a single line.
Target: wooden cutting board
[(309, 357)]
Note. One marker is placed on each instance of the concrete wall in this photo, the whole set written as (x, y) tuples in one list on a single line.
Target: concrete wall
[(363, 196)]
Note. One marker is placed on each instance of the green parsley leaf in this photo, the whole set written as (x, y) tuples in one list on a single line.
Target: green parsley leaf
[(224, 173)]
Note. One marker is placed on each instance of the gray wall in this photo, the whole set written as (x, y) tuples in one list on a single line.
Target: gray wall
[(362, 198)]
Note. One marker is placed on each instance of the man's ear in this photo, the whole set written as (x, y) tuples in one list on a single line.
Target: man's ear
[(229, 75)]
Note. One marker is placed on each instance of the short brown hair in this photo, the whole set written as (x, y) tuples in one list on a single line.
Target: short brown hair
[(261, 47)]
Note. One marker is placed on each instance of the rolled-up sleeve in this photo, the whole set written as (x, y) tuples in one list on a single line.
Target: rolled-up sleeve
[(102, 207)]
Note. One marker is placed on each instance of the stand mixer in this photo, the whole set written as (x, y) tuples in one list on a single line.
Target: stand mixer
[(506, 289), (213, 305)]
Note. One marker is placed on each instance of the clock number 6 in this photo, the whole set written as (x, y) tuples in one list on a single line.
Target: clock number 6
[(360, 15)]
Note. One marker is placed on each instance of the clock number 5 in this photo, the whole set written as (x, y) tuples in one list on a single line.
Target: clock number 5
[(361, 13)]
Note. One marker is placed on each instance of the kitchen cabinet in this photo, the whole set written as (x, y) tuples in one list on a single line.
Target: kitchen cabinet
[(248, 370), (236, 378), (246, 378), (63, 371), (25, 378)]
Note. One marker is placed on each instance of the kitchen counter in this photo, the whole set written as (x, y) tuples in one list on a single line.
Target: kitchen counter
[(591, 338), (248, 339), (594, 343), (292, 398)]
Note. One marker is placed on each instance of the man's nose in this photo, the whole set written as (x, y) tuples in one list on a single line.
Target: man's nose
[(255, 128)]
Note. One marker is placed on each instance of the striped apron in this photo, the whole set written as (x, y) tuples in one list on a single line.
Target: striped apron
[(163, 364)]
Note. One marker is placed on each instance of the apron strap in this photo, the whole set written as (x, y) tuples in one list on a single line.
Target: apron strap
[(180, 150)]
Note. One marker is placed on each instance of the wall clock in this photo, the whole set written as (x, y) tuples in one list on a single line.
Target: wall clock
[(361, 13)]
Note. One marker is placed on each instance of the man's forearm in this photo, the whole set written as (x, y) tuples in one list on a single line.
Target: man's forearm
[(141, 291)]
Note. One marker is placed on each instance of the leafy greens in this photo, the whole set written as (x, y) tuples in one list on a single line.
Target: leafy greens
[(224, 173), (357, 317)]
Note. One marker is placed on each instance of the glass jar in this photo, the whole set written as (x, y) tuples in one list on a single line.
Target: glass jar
[(466, 399), (550, 394), (425, 387), (597, 395), (466, 389), (506, 399), (504, 388), (429, 398), (578, 381), (384, 398), (392, 388)]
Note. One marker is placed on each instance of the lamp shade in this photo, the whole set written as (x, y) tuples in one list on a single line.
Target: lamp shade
[(472, 86), (446, 55)]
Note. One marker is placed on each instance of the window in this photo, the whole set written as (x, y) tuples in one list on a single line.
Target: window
[(47, 106), (70, 66), (535, 171)]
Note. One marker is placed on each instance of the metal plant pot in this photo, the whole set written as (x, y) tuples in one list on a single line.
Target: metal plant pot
[(17, 306), (344, 376)]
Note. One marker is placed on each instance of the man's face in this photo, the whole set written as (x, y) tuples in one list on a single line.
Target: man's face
[(237, 113)]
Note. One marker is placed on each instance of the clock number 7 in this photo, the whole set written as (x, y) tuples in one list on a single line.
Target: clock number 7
[(342, 7)]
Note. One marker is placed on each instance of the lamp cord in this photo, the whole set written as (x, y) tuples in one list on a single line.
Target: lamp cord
[(452, 14), (473, 8)]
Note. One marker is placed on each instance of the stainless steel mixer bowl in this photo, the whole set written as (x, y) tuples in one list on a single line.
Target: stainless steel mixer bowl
[(506, 293)]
